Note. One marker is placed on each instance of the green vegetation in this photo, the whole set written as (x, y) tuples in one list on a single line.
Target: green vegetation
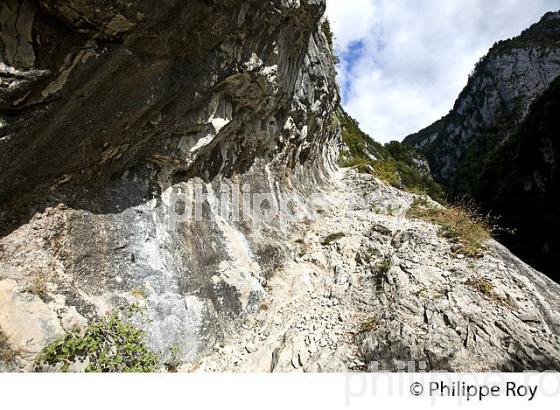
[(174, 361), (359, 146), (327, 30), (459, 224), (383, 267), (328, 33), (395, 163), (111, 344), (368, 324), (7, 354), (485, 287), (386, 170), (333, 238), (412, 177), (482, 285)]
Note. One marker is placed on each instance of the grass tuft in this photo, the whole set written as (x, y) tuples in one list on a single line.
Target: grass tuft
[(482, 285), (461, 225), (485, 287)]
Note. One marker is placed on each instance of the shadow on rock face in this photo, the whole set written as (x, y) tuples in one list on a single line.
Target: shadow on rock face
[(104, 87), (107, 107)]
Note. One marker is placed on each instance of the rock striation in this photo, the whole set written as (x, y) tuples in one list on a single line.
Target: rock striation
[(181, 156), (112, 116)]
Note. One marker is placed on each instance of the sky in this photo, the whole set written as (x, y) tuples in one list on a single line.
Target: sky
[(404, 62)]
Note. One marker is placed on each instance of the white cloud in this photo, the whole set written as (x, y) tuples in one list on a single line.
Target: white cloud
[(404, 62)]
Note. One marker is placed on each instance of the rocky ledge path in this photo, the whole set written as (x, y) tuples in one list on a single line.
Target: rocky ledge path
[(371, 289)]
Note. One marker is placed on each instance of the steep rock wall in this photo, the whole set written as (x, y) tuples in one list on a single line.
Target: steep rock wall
[(495, 102), (496, 145), (116, 117)]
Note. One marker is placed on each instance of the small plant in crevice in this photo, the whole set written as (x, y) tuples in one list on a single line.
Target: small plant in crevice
[(7, 354), (368, 255), (369, 324), (303, 247), (110, 344), (482, 285), (380, 229), (383, 267), (174, 362), (327, 30), (432, 294), (380, 274), (333, 238), (485, 287), (264, 307)]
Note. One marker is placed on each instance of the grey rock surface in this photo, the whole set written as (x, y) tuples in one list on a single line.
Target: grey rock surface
[(117, 117), (333, 309), (112, 115)]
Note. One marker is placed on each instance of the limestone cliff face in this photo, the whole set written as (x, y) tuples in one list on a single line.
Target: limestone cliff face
[(165, 154), (520, 181), (95, 86), (112, 115), (492, 148), (495, 102)]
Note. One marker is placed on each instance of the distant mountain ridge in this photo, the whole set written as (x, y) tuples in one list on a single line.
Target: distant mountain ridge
[(499, 142)]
